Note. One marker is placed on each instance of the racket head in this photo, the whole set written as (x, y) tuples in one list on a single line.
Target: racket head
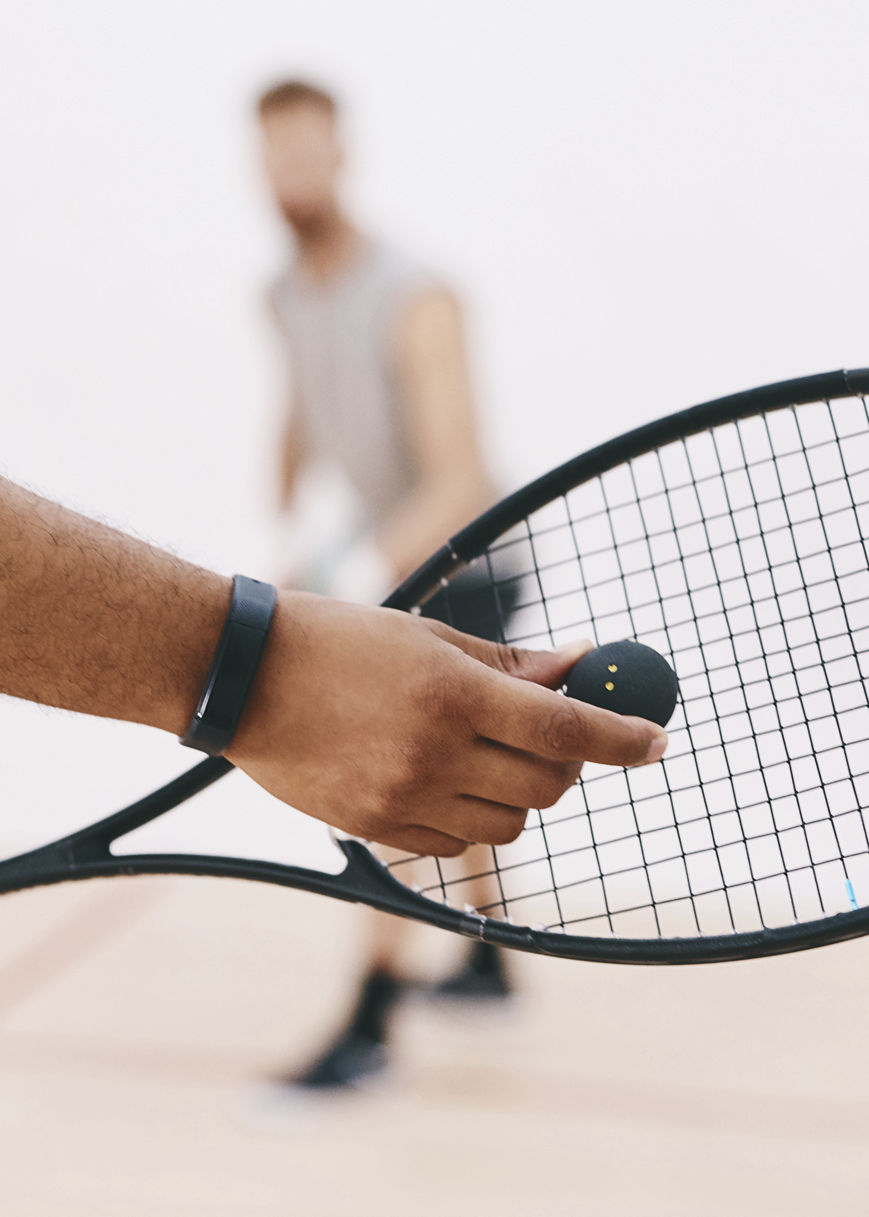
[(730, 537)]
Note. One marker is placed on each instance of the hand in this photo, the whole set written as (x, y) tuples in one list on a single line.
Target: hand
[(404, 731)]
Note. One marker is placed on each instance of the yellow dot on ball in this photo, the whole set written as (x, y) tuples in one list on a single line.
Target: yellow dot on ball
[(609, 686), (614, 667)]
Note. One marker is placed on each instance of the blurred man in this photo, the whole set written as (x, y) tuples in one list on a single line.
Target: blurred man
[(381, 392)]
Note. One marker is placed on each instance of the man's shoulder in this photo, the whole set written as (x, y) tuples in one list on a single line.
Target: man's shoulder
[(404, 273)]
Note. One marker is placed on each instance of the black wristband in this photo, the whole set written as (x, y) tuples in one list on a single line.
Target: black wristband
[(239, 650)]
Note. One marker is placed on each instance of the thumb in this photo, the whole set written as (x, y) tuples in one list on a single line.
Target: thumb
[(548, 668)]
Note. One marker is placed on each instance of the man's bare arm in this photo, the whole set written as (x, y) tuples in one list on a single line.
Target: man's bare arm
[(96, 621), (292, 454), (292, 440), (440, 422), (392, 727)]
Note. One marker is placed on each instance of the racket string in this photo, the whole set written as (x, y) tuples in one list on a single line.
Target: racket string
[(633, 624), (822, 667), (555, 893), (740, 554), (768, 675)]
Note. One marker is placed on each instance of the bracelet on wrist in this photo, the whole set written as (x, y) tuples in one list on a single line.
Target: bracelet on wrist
[(236, 659)]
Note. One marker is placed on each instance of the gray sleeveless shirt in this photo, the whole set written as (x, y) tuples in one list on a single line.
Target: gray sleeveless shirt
[(341, 336)]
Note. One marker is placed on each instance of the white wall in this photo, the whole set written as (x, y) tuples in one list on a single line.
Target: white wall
[(645, 204)]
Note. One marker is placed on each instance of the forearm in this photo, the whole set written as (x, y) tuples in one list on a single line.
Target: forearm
[(96, 621), (292, 458), (429, 516), (440, 423), (291, 463)]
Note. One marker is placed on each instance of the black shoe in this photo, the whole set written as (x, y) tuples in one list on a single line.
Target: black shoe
[(290, 1103), (482, 978), (351, 1060), (359, 1052)]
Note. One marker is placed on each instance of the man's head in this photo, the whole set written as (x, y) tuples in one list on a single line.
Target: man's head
[(302, 152)]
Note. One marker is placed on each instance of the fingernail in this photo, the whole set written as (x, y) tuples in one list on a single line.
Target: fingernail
[(658, 748)]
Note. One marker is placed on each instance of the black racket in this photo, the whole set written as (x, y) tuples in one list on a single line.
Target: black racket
[(731, 539)]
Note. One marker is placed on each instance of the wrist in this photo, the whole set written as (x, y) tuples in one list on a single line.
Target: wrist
[(274, 685), (233, 667), (187, 652)]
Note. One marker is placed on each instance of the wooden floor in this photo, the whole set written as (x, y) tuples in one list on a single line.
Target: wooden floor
[(136, 1018)]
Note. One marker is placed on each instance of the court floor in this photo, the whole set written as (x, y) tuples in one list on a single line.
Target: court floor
[(136, 1017)]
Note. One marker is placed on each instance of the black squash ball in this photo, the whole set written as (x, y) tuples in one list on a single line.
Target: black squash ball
[(628, 678)]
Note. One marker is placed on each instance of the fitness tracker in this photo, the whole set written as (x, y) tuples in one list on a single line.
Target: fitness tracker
[(239, 651)]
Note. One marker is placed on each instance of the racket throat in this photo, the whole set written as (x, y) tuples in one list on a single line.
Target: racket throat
[(369, 881)]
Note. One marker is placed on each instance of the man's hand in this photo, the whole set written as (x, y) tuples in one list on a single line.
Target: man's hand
[(404, 731), (393, 727)]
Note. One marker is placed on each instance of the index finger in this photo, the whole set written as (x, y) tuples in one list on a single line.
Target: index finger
[(524, 715)]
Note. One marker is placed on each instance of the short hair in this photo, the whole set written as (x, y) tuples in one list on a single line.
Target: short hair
[(287, 93)]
